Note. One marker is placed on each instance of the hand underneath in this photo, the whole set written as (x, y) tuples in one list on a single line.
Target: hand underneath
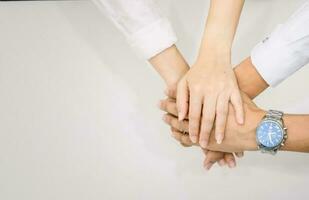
[(237, 138), (212, 157), (222, 158)]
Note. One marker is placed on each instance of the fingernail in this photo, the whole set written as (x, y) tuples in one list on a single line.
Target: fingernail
[(193, 138), (219, 138), (231, 164), (203, 143), (221, 163), (208, 166)]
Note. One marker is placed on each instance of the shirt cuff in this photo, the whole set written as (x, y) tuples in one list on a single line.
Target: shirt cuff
[(276, 59), (153, 38)]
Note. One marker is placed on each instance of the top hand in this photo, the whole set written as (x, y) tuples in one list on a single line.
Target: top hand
[(211, 83), (208, 87)]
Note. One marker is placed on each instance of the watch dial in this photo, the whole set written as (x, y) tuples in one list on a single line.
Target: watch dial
[(269, 134)]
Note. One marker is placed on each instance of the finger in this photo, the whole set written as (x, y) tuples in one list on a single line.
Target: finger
[(195, 110), (185, 145), (237, 103), (186, 140), (239, 154), (176, 134), (230, 160), (205, 151), (211, 158), (182, 99), (221, 117), (209, 109), (221, 162), (183, 139), (181, 126), (168, 105), (170, 92)]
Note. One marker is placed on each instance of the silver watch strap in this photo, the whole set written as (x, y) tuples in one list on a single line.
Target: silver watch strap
[(274, 114)]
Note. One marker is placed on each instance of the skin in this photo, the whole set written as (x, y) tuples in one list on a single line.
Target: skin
[(171, 66), (252, 84), (242, 137), (205, 91)]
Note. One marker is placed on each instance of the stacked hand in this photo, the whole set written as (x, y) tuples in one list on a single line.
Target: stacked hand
[(213, 155), (204, 93), (238, 138)]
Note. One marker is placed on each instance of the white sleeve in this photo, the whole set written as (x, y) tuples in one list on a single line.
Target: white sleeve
[(286, 50), (146, 30)]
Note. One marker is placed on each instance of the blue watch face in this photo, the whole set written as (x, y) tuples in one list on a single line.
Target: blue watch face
[(269, 134)]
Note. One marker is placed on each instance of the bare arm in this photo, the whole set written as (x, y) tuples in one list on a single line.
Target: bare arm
[(221, 25), (171, 66), (243, 138), (297, 129), (211, 83), (248, 78)]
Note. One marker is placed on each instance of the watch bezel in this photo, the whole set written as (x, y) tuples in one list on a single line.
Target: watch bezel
[(280, 124)]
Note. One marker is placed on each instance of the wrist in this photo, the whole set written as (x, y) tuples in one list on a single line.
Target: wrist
[(253, 117), (215, 54), (170, 64), (248, 78)]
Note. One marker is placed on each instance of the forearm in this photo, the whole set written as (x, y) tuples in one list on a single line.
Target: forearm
[(220, 27), (298, 133), (248, 78), (170, 64)]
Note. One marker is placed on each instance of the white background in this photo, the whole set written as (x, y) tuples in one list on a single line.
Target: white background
[(78, 115)]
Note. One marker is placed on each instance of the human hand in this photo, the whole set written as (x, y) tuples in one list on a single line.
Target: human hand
[(204, 93), (212, 157), (237, 139)]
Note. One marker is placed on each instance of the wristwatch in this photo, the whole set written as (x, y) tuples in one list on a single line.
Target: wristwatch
[(271, 133)]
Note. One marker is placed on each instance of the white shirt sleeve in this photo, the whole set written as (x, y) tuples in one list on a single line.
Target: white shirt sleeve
[(286, 50), (146, 30)]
